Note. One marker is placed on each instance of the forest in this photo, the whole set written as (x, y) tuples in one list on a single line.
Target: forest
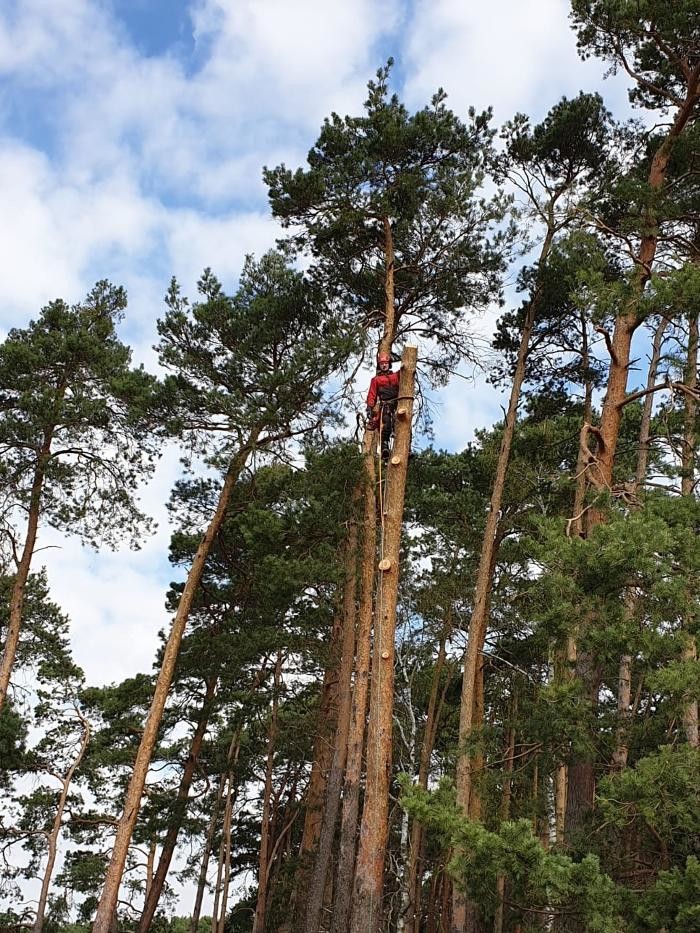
[(403, 689)]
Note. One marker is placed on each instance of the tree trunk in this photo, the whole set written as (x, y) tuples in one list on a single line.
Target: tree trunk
[(218, 918), (505, 809), (413, 909), (19, 585), (156, 888), (264, 862), (58, 820), (353, 765), (374, 829), (690, 709), (132, 801), (327, 723), (335, 777), (624, 676), (478, 621)]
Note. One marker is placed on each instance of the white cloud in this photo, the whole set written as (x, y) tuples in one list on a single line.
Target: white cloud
[(506, 54)]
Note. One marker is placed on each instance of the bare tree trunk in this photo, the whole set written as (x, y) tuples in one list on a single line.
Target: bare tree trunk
[(374, 829), (132, 801), (231, 760), (478, 621), (150, 860), (413, 908), (228, 847), (57, 822), (353, 766), (264, 863), (19, 585), (690, 653), (327, 723), (224, 847), (156, 888), (335, 777), (624, 676), (505, 809)]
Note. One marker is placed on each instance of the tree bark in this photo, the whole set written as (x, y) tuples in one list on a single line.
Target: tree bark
[(413, 910), (353, 765), (132, 802), (156, 888), (478, 621), (264, 861), (19, 586), (690, 653), (219, 912), (56, 827), (374, 829), (505, 809), (335, 777)]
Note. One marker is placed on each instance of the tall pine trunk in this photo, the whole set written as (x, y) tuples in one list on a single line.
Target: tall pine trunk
[(265, 835), (155, 889), (374, 829), (353, 764), (134, 793), (19, 585), (478, 621), (690, 709), (335, 778), (416, 845), (57, 823)]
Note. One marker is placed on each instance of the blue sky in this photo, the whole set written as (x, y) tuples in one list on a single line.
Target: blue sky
[(132, 136)]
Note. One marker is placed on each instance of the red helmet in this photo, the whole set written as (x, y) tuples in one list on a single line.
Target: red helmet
[(383, 357)]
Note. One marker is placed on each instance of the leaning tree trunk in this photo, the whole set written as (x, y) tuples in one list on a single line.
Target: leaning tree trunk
[(335, 777), (132, 801), (56, 828), (19, 585), (374, 829), (478, 621), (353, 764), (155, 889)]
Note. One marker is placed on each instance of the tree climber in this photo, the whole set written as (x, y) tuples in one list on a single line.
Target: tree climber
[(381, 401)]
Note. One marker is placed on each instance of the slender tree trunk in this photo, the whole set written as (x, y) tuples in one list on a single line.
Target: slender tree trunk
[(389, 334), (150, 860), (179, 810), (327, 723), (624, 676), (57, 822), (264, 863), (19, 585), (374, 829), (132, 801), (353, 765), (416, 843), (505, 808), (478, 622), (228, 848), (335, 777), (223, 852), (690, 653), (231, 761), (204, 866)]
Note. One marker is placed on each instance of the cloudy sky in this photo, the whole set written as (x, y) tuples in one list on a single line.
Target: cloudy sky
[(132, 135)]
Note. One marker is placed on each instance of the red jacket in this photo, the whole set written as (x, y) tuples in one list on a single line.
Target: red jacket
[(383, 385)]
